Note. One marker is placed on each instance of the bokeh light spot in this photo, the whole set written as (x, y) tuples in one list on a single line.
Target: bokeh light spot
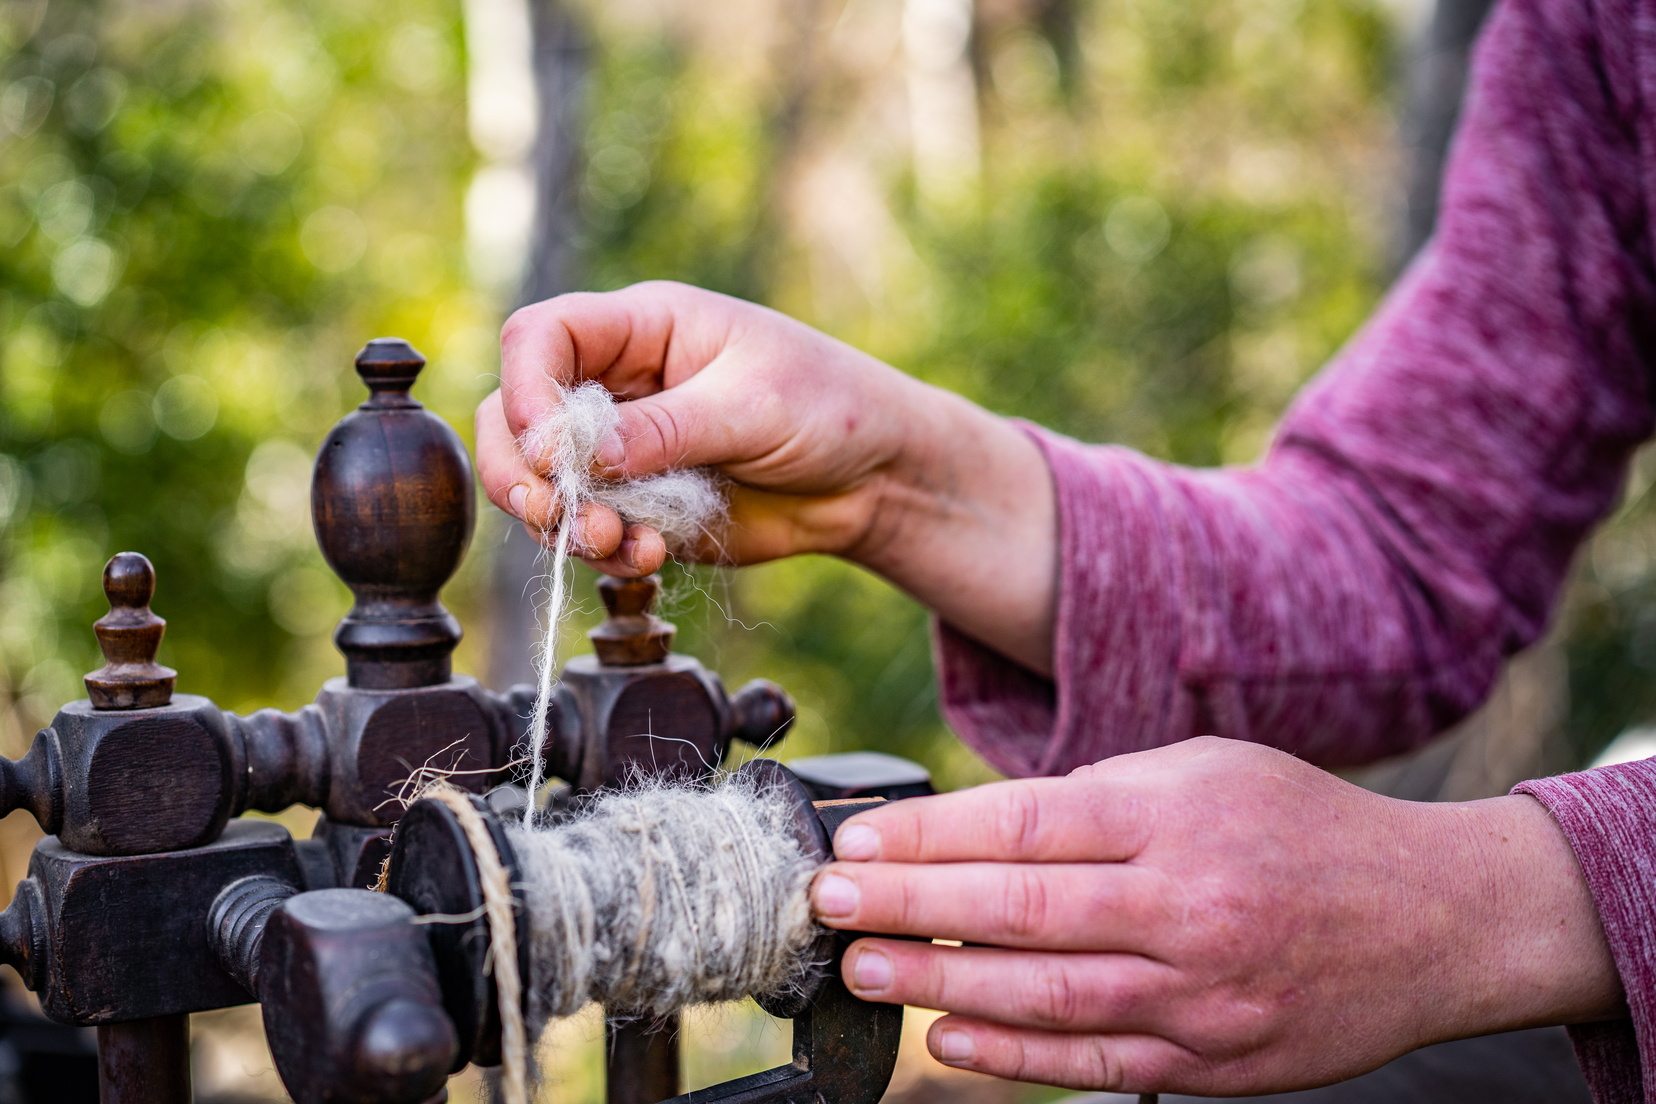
[(85, 270), (24, 104), (93, 100), (269, 141), (333, 238), (1137, 228), (185, 407), (127, 422)]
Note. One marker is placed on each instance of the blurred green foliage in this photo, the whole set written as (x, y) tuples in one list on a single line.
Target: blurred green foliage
[(204, 210)]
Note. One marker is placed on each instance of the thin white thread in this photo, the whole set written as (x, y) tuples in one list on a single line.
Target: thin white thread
[(687, 508)]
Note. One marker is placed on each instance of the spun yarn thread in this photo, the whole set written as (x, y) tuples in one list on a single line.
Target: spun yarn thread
[(665, 894), (686, 507)]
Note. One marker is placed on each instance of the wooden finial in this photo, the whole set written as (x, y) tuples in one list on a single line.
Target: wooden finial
[(393, 505), (389, 364), (631, 635), (129, 635)]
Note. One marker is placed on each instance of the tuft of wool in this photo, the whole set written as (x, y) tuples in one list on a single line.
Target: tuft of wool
[(663, 895), (688, 509)]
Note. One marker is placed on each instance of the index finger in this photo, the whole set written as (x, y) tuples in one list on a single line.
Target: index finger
[(1031, 820), (635, 342)]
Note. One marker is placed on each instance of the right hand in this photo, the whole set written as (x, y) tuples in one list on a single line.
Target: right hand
[(827, 450), (807, 428)]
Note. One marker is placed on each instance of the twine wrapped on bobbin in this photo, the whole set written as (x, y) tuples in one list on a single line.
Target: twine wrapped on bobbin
[(647, 900)]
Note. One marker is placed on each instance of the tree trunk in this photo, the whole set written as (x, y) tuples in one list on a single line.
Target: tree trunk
[(561, 58), (1433, 85)]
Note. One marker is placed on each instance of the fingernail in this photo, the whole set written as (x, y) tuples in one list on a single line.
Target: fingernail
[(856, 841), (835, 896), (628, 553), (955, 1047), (517, 498), (871, 972), (611, 451)]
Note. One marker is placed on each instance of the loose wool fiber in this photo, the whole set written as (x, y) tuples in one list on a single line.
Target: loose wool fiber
[(663, 895), (687, 508)]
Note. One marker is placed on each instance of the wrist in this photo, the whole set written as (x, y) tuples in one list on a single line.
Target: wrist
[(1520, 926), (965, 521), (910, 494)]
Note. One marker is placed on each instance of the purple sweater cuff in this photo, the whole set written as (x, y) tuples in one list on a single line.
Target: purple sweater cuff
[(1609, 817), (1024, 724)]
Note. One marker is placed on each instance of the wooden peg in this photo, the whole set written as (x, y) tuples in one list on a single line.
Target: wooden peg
[(129, 635), (632, 635)]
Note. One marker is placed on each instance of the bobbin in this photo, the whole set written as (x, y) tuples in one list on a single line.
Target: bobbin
[(844, 1048), (433, 868)]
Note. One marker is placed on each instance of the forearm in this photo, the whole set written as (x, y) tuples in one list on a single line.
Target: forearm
[(966, 522), (1359, 591)]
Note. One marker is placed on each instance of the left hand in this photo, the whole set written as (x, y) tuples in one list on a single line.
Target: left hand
[(1213, 917)]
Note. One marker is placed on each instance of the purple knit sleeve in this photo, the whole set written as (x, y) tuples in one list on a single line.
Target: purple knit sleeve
[(1609, 817), (1358, 590)]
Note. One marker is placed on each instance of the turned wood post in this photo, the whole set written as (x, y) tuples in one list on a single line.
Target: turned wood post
[(143, 1061)]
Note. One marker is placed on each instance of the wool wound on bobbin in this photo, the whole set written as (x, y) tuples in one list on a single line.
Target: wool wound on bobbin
[(664, 895), (685, 507)]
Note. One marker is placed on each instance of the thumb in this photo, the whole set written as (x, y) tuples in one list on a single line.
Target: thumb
[(688, 426)]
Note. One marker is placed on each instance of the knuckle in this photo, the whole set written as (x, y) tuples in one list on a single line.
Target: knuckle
[(1021, 1061), (1101, 1065), (1055, 1001), (903, 833), (663, 425), (1025, 904), (487, 411), (1101, 894), (492, 472), (659, 287), (1132, 819), (1020, 819), (918, 976), (519, 325), (909, 905), (497, 479), (934, 982), (498, 490)]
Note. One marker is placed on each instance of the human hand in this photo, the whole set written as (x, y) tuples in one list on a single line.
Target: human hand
[(807, 428), (1214, 918), (827, 450)]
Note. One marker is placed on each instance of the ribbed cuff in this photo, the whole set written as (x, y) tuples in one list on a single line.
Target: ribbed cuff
[(1608, 815), (1116, 635)]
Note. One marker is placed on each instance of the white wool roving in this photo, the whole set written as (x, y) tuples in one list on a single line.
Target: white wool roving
[(663, 895), (688, 508)]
